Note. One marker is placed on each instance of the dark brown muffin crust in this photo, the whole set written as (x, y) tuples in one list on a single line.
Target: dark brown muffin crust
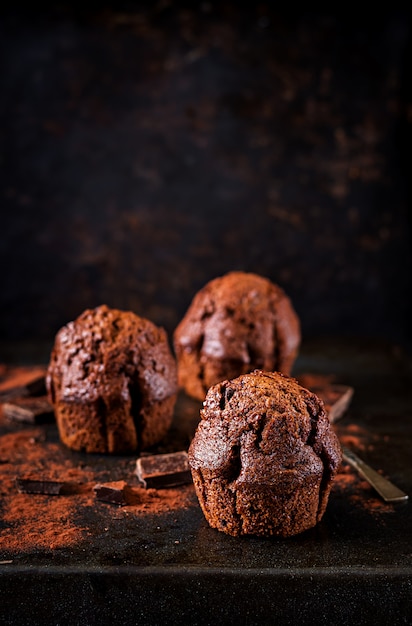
[(112, 380), (235, 324), (264, 456)]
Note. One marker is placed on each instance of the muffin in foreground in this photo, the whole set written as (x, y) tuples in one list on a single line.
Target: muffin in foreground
[(112, 380), (263, 457), (235, 324)]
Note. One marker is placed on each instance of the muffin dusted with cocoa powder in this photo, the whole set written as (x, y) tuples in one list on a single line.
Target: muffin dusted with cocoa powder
[(112, 380), (264, 456), (235, 324)]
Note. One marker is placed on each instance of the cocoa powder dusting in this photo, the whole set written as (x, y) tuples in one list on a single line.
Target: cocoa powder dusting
[(354, 436), (358, 492), (38, 522), (348, 482)]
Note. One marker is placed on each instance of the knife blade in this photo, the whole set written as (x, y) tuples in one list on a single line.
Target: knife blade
[(387, 490)]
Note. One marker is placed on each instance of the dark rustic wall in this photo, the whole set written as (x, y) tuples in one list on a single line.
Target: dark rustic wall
[(149, 148)]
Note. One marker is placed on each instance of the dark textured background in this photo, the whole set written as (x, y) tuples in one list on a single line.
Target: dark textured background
[(150, 147)]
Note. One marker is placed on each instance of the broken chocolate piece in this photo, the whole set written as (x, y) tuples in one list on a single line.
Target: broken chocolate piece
[(164, 470), (44, 487), (29, 410), (23, 382), (49, 487), (113, 493)]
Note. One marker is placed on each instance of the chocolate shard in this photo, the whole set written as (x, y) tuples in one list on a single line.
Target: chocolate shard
[(29, 410), (39, 486), (164, 470), (116, 492), (22, 383)]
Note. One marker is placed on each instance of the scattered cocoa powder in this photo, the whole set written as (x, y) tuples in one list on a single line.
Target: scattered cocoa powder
[(349, 483), (358, 492), (155, 501), (36, 522), (355, 437), (48, 522)]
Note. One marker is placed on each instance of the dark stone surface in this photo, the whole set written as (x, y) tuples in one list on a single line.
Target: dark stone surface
[(354, 567), (102, 596), (149, 147)]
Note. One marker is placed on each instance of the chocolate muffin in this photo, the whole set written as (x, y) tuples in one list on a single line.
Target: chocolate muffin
[(264, 456), (235, 324), (112, 380)]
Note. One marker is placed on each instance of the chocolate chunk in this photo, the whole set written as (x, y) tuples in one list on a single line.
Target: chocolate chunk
[(116, 492), (29, 410), (49, 487), (164, 470), (44, 487), (22, 383)]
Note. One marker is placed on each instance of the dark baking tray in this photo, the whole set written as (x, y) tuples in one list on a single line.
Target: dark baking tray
[(355, 567)]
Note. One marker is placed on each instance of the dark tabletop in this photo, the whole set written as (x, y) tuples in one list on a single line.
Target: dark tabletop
[(163, 567)]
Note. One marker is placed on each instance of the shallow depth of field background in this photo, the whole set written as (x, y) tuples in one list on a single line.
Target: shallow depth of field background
[(149, 147)]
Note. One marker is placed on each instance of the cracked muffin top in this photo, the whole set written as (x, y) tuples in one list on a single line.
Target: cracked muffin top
[(112, 380), (263, 456), (104, 350), (235, 324)]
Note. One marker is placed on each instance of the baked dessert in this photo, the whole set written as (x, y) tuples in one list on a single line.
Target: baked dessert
[(264, 456), (235, 324), (112, 380)]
